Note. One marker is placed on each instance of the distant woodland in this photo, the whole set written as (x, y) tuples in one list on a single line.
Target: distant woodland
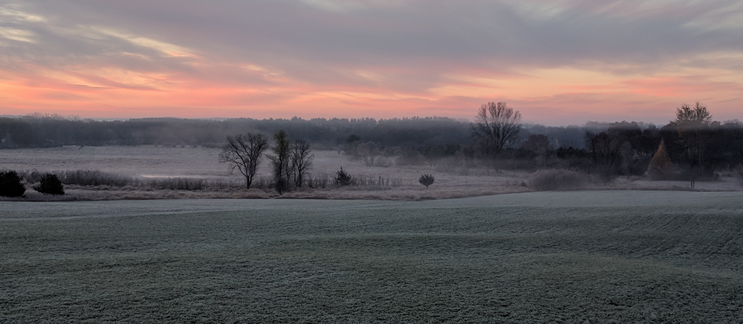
[(36, 131), (621, 148)]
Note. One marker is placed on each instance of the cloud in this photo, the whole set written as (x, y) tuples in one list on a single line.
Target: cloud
[(10, 13), (416, 33), (163, 47), (16, 34), (432, 55)]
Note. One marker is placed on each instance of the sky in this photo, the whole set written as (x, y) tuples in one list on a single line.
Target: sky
[(558, 62)]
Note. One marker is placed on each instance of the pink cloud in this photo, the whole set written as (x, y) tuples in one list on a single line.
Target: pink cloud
[(412, 59)]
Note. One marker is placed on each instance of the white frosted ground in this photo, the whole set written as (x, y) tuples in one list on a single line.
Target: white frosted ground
[(13, 210)]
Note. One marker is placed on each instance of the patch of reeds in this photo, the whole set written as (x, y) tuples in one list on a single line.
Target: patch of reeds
[(324, 180), (81, 178), (100, 179), (94, 178), (177, 183)]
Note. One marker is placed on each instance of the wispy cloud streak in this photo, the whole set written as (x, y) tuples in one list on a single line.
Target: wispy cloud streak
[(564, 60)]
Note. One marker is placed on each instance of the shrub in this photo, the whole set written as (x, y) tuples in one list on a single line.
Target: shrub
[(558, 180), (50, 184), (10, 184), (426, 180), (342, 177)]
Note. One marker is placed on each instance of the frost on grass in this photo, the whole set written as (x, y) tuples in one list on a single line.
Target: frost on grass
[(611, 257)]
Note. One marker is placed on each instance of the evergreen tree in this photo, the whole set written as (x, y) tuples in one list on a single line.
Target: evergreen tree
[(10, 184), (661, 165), (50, 184), (342, 177)]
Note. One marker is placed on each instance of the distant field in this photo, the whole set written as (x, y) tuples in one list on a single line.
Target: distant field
[(558, 257), (452, 180), (148, 162)]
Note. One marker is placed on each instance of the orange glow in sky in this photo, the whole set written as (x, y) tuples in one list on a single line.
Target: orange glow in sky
[(377, 59)]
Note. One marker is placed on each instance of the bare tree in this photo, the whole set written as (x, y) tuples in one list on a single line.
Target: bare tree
[(301, 160), (280, 161), (497, 125), (243, 152), (697, 116), (691, 124)]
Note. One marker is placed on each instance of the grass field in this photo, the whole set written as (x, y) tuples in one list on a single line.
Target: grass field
[(147, 163), (549, 257)]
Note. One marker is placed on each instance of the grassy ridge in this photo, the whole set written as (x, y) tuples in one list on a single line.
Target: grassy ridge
[(463, 260)]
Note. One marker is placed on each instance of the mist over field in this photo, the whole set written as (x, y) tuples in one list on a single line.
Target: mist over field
[(494, 154)]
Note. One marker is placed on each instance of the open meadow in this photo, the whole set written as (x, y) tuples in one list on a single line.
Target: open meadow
[(149, 172), (543, 257), (159, 163)]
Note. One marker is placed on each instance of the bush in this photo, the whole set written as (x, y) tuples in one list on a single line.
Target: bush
[(558, 180), (10, 184), (426, 180), (50, 184), (342, 177)]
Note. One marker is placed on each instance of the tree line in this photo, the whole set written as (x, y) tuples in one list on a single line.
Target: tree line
[(695, 144), (690, 146), (432, 136), (692, 140), (37, 130)]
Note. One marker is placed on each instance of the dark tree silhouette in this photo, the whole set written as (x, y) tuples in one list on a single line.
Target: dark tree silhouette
[(301, 160), (692, 125), (497, 125), (50, 184), (342, 177), (10, 184), (426, 180), (280, 161), (243, 152)]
